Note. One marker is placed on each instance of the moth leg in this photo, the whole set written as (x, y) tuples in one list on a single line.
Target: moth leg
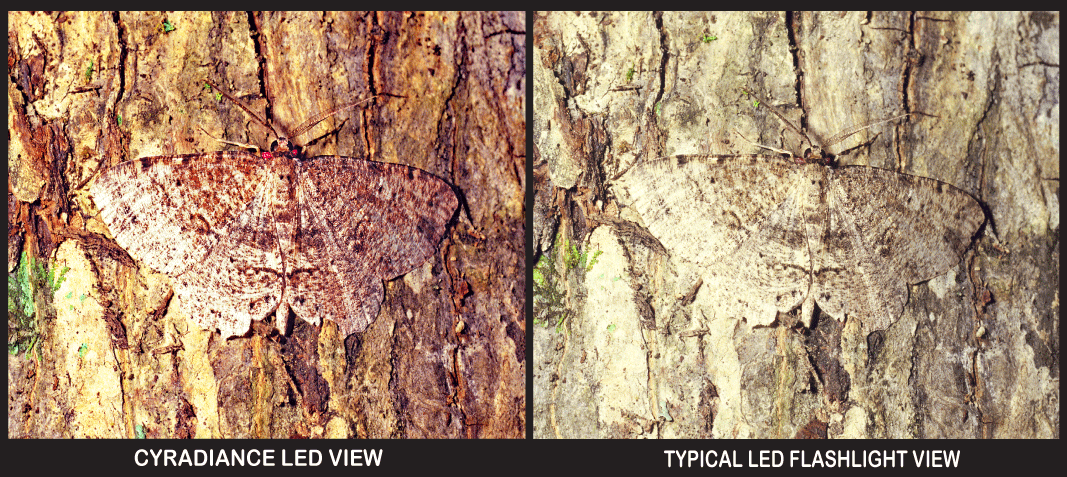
[(775, 149), (238, 144), (807, 309)]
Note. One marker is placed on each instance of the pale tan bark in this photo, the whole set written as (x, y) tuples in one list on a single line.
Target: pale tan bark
[(453, 104), (638, 356)]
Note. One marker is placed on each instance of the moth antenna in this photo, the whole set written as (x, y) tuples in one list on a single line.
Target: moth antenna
[(841, 136), (795, 129), (310, 123), (246, 110)]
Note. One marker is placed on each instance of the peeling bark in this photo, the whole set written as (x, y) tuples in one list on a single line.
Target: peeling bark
[(983, 90), (118, 86)]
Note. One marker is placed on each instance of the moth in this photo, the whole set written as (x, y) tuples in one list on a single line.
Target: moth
[(244, 235), (772, 233)]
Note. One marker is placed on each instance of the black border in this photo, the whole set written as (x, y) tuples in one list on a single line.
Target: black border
[(533, 457), (525, 456)]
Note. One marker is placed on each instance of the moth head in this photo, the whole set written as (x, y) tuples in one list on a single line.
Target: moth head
[(281, 144)]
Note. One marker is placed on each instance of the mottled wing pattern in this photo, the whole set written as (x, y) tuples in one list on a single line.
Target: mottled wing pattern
[(243, 236), (767, 234), (168, 211), (361, 222), (740, 219), (887, 230), (205, 220)]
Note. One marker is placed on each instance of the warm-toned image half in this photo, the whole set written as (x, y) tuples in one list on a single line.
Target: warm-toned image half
[(267, 225), (796, 225)]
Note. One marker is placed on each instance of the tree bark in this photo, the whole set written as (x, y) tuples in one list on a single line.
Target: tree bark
[(446, 355), (635, 355)]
